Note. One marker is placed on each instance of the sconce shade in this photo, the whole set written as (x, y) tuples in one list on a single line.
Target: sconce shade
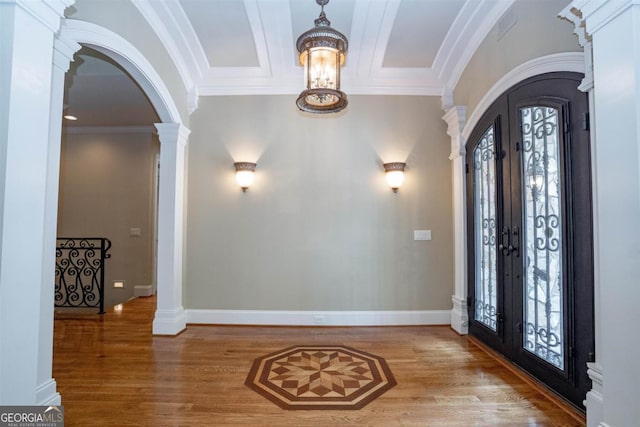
[(322, 52), (394, 174), (245, 172)]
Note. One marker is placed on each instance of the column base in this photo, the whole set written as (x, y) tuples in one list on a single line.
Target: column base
[(459, 316), (46, 394), (169, 322), (595, 400)]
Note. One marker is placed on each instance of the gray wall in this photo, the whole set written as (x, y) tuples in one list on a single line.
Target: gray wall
[(319, 229), (537, 32), (107, 186)]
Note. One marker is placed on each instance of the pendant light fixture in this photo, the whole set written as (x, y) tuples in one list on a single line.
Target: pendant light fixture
[(322, 51)]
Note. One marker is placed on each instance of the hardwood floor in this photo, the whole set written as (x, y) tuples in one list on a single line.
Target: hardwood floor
[(111, 371)]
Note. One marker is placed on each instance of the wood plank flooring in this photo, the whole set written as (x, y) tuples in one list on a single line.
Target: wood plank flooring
[(111, 371)]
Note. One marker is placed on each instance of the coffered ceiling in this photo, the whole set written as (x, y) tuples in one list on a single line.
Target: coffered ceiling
[(235, 47)]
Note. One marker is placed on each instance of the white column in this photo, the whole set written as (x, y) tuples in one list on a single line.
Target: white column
[(456, 118), (62, 57), (170, 316), (594, 402), (614, 26), (27, 228)]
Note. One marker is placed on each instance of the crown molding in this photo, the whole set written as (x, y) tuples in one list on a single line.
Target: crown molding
[(107, 129), (48, 12), (469, 29)]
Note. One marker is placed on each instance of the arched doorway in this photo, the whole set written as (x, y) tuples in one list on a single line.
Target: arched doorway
[(170, 317)]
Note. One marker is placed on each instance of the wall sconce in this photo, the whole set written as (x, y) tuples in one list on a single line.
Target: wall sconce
[(245, 172), (395, 174)]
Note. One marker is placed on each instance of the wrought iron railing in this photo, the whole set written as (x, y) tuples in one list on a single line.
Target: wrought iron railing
[(80, 271)]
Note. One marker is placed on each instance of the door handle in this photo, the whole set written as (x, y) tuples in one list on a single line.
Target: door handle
[(505, 247), (515, 247)]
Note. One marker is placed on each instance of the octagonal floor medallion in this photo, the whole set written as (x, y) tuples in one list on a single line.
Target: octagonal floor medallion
[(320, 377)]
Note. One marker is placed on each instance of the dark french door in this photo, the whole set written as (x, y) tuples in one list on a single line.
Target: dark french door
[(530, 231)]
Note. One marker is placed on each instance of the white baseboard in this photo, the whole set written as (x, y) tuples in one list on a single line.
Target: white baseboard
[(143, 291), (319, 318)]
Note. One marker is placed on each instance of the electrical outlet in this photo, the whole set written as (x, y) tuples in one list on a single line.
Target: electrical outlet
[(319, 319)]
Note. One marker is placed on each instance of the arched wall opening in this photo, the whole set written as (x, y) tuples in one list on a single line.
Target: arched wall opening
[(108, 181), (170, 318)]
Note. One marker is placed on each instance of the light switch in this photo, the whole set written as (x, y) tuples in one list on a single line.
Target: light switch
[(134, 232), (421, 234)]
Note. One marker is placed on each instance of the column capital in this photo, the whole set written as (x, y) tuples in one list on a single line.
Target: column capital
[(574, 15), (49, 12), (193, 98), (598, 13), (172, 133), (63, 51), (446, 99), (456, 117)]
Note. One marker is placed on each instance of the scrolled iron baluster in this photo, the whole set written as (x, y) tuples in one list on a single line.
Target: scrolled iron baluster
[(80, 272)]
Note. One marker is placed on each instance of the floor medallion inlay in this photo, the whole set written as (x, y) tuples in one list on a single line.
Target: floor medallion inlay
[(320, 377)]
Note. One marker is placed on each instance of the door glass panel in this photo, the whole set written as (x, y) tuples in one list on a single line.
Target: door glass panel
[(543, 287), (484, 182)]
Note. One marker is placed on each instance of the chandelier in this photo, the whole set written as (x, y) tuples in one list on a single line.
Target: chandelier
[(322, 51)]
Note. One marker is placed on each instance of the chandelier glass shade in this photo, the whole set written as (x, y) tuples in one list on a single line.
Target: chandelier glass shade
[(322, 52)]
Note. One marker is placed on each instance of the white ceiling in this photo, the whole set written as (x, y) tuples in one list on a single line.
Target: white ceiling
[(243, 47)]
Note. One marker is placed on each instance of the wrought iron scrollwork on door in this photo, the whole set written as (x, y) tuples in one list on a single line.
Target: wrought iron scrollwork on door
[(484, 169), (542, 190)]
